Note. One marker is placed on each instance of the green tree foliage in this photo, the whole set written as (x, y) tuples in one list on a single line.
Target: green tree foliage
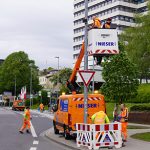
[(138, 43), (120, 77), (63, 75), (18, 66)]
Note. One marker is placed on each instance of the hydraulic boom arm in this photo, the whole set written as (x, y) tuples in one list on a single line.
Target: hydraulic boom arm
[(71, 84)]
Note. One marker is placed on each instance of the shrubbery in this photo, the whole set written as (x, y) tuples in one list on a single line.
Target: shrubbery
[(140, 108), (35, 101), (143, 95)]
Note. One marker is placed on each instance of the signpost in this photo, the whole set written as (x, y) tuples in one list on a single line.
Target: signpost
[(49, 95), (86, 58), (40, 94), (86, 76)]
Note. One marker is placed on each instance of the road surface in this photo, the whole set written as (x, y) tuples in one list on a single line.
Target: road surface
[(11, 139)]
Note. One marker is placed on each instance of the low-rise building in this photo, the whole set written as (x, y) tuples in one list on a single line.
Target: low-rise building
[(44, 80)]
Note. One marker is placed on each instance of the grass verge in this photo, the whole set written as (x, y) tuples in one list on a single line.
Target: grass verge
[(137, 127), (142, 136)]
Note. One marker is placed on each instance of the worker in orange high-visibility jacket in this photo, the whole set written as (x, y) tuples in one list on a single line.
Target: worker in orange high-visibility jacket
[(107, 24), (26, 121), (41, 107), (124, 121), (96, 23)]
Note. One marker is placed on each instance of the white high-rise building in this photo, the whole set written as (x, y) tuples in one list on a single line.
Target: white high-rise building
[(121, 11)]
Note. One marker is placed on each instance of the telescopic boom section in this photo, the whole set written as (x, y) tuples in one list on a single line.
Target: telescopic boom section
[(72, 84)]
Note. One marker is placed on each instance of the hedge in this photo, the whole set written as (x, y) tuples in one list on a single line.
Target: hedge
[(140, 108), (35, 101), (143, 95)]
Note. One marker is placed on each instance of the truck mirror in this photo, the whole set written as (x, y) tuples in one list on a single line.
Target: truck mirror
[(55, 108)]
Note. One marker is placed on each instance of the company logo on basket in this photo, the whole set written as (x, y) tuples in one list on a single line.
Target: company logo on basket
[(105, 43)]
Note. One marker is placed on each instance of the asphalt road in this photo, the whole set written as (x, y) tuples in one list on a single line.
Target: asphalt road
[(11, 139)]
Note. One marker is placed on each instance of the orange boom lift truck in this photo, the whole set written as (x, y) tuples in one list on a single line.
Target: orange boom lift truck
[(70, 108), (18, 105)]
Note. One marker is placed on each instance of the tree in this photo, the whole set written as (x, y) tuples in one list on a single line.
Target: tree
[(120, 77), (138, 43), (63, 75), (17, 68)]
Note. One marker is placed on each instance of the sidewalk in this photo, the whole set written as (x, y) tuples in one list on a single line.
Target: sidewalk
[(131, 144), (44, 113)]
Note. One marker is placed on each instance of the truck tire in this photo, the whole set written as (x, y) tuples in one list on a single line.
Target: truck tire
[(56, 131), (66, 134)]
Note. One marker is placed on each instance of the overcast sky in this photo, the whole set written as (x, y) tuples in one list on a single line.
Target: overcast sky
[(41, 28)]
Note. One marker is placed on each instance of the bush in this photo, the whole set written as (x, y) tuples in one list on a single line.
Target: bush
[(140, 108), (27, 102), (143, 95)]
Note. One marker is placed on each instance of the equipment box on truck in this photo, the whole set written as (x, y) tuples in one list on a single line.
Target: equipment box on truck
[(18, 105), (70, 110)]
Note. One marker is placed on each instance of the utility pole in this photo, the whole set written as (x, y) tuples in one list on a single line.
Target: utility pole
[(86, 61), (15, 87)]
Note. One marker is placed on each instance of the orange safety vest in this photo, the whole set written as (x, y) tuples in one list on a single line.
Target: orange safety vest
[(27, 115), (124, 115), (96, 23), (41, 106), (106, 26)]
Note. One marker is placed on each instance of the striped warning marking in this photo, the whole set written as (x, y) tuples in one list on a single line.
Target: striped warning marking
[(90, 98)]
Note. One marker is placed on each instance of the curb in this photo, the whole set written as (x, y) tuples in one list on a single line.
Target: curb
[(58, 142)]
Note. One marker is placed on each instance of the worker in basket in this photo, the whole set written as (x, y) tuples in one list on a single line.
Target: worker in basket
[(107, 25), (96, 23)]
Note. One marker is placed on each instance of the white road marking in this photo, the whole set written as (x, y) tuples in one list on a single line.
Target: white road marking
[(33, 131), (35, 142), (35, 116), (33, 148)]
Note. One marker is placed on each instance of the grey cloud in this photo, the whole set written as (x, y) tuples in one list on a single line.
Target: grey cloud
[(42, 28)]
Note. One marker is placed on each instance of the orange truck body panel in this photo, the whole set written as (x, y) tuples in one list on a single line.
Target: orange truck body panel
[(71, 110), (18, 105)]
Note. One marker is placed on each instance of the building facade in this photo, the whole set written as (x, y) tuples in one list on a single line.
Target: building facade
[(1, 61), (122, 13), (44, 80)]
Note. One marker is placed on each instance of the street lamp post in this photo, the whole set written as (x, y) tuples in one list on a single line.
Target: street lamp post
[(30, 86), (58, 74)]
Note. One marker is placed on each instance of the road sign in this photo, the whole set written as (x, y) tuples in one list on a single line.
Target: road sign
[(48, 94), (86, 76), (40, 93), (31, 96)]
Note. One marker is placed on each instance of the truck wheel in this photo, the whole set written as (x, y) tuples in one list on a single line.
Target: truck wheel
[(56, 131), (66, 134)]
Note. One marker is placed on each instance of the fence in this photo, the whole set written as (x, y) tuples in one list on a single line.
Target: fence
[(97, 136)]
